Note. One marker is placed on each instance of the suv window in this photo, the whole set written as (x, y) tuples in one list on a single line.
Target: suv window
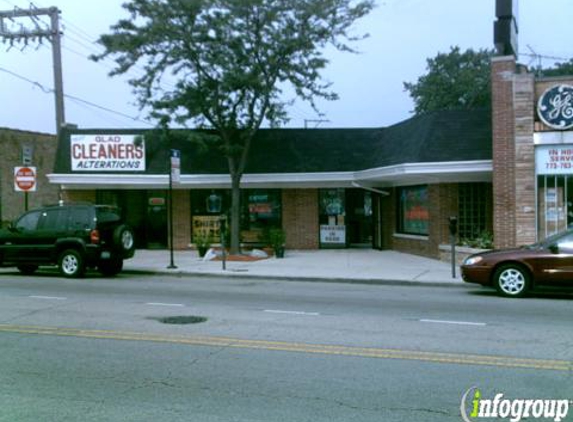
[(107, 214), (80, 218), (28, 221), (53, 219)]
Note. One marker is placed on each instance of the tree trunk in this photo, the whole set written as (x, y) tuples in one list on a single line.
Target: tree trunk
[(235, 225)]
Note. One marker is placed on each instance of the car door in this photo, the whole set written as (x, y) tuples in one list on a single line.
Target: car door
[(51, 227), (20, 245), (558, 265)]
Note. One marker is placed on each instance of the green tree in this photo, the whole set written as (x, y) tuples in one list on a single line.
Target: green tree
[(231, 60), (559, 69), (454, 80)]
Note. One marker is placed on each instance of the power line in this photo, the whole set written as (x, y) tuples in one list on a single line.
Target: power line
[(72, 97)]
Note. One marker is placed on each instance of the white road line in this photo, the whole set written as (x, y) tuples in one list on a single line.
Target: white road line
[(175, 305), (278, 311), (48, 297), (438, 321)]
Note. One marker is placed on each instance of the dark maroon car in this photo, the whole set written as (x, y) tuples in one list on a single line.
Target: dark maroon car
[(513, 272)]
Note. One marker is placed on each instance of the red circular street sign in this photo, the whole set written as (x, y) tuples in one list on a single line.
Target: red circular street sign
[(25, 178)]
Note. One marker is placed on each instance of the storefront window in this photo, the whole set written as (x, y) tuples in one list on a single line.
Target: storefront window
[(207, 207), (413, 215), (554, 168), (474, 209), (555, 205), (260, 211), (332, 218)]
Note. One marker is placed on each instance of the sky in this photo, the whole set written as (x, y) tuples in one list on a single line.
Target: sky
[(403, 35)]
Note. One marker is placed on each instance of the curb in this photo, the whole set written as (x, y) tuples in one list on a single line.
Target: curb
[(243, 275)]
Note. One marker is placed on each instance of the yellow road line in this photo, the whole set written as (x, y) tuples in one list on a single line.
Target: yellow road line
[(367, 352)]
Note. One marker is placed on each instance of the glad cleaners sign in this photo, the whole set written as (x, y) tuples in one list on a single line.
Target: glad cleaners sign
[(107, 153)]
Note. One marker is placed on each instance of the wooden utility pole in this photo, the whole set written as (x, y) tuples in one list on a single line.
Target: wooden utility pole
[(13, 30)]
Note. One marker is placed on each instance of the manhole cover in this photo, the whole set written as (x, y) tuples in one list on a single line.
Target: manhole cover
[(182, 319)]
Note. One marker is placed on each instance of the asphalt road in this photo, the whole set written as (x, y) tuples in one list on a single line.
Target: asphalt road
[(95, 350)]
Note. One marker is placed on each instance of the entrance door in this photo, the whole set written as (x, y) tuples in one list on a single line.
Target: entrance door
[(156, 220), (359, 218)]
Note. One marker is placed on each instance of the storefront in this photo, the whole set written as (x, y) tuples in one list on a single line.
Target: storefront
[(533, 154), (387, 188)]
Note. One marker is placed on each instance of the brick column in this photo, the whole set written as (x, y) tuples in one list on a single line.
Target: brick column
[(181, 219), (300, 218), (504, 152), (525, 180)]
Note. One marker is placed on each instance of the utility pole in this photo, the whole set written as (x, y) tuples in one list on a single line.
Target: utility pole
[(16, 34)]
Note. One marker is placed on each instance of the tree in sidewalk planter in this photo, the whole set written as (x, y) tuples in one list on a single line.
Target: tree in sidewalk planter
[(230, 60)]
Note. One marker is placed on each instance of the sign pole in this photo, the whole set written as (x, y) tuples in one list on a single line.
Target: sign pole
[(174, 171)]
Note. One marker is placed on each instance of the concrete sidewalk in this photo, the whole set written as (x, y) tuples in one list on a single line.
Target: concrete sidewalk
[(342, 265)]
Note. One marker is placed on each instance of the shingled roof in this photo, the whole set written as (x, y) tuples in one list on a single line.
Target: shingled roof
[(444, 136)]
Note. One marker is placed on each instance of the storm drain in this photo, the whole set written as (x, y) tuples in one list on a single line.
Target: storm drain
[(188, 319)]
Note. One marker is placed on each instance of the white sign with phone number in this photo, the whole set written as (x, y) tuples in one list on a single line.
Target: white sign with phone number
[(554, 159)]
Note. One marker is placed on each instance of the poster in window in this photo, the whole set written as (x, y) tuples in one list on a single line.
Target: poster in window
[(415, 214)]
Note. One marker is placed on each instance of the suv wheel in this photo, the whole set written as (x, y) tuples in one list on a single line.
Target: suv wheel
[(123, 238), (27, 269), (71, 263), (110, 267)]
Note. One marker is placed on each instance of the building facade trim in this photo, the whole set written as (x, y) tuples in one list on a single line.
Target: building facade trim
[(410, 173)]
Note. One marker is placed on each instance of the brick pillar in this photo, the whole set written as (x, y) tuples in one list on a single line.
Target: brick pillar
[(300, 218), (443, 205), (504, 152), (525, 180), (181, 219)]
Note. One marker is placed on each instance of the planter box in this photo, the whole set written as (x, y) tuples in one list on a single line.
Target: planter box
[(462, 252)]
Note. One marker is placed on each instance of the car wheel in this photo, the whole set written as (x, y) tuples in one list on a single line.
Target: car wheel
[(123, 238), (110, 267), (512, 280), (71, 263), (27, 269)]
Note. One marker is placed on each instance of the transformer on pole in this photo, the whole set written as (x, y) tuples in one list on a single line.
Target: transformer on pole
[(17, 33)]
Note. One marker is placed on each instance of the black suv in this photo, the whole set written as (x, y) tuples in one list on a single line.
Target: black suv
[(73, 236)]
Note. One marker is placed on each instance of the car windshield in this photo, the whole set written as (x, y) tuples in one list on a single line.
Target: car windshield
[(551, 240)]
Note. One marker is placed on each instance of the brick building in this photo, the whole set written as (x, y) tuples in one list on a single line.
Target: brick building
[(532, 120), (506, 171), (33, 149), (386, 188)]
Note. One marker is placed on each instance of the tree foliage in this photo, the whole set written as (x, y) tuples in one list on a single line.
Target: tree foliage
[(454, 80), (457, 80), (230, 60), (559, 69)]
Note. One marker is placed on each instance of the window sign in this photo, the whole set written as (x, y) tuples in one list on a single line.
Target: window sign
[(214, 203), (414, 215), (332, 235), (332, 202), (554, 159)]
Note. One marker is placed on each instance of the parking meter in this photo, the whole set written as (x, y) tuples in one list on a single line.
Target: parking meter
[(453, 222), (222, 228), (453, 226)]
